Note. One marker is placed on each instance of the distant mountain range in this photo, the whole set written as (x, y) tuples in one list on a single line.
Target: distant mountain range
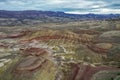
[(12, 18), (33, 14)]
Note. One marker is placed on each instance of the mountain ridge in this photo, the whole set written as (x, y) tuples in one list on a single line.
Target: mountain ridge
[(35, 14)]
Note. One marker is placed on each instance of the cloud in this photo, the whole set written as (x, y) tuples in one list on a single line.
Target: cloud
[(97, 11), (68, 6)]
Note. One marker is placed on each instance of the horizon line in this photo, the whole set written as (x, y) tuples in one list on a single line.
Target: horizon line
[(64, 12)]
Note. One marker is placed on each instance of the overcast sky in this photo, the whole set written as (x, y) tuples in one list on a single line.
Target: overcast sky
[(68, 6)]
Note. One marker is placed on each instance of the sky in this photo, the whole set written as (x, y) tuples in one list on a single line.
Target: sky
[(67, 6)]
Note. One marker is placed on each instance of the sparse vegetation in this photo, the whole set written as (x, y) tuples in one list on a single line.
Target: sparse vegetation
[(59, 47)]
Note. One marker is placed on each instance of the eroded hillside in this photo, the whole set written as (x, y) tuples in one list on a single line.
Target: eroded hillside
[(86, 50)]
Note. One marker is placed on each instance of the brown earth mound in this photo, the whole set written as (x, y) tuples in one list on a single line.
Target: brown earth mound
[(30, 63), (100, 48), (85, 72), (91, 32), (34, 51)]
